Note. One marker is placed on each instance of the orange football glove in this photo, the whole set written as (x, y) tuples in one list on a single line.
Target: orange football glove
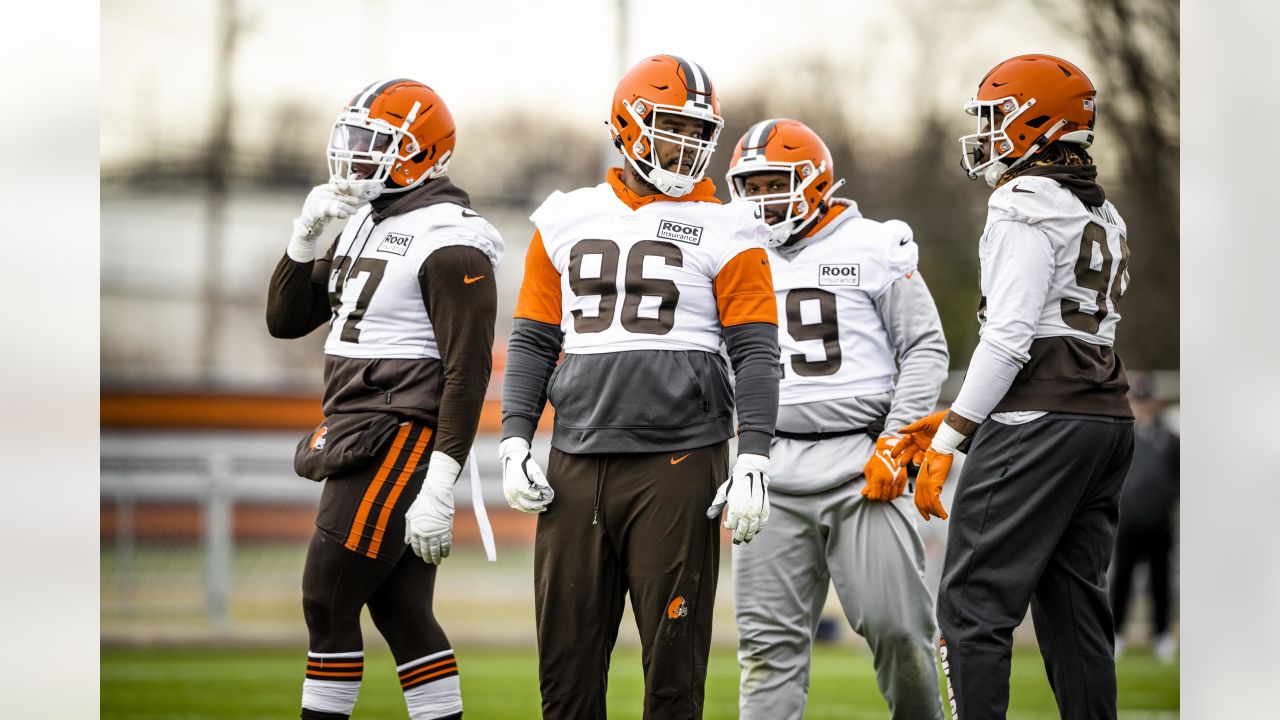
[(916, 438), (933, 473), (885, 478)]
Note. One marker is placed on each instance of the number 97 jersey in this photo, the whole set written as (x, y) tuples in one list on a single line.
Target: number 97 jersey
[(648, 278)]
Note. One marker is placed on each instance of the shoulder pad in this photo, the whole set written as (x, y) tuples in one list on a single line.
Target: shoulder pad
[(450, 224), (901, 254), (1030, 199), (748, 221)]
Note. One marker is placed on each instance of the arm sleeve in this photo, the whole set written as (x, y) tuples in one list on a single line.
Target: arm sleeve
[(744, 290), (534, 346), (753, 351), (532, 352), (911, 321), (462, 315), (1017, 272), (298, 296)]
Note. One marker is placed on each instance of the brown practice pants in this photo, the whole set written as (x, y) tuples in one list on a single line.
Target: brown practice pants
[(627, 523)]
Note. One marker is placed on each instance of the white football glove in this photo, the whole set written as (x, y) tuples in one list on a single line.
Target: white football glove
[(746, 492), (428, 526), (523, 482), (362, 190), (324, 203)]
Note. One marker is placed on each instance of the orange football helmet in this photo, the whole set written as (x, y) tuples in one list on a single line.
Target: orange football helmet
[(392, 135), (661, 85), (789, 146), (1023, 105)]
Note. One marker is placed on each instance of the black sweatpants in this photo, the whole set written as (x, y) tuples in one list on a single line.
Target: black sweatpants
[(1134, 546), (627, 524), (1034, 521)]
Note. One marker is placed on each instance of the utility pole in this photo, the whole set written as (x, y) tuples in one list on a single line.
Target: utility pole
[(622, 24), (217, 158)]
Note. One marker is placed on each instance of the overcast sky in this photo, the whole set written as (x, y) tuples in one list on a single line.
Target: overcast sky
[(559, 57)]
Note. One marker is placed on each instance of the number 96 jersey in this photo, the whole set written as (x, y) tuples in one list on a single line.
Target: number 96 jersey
[(832, 339), (643, 279)]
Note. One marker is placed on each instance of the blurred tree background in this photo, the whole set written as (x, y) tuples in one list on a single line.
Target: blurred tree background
[(901, 161)]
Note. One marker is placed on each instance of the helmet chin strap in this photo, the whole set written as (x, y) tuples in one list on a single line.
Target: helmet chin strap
[(997, 170), (825, 208), (665, 181)]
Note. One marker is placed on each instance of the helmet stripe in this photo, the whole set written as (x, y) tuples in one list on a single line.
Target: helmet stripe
[(704, 82), (371, 93), (355, 99), (698, 85), (753, 143)]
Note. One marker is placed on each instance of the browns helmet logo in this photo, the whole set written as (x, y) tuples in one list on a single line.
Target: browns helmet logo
[(677, 608)]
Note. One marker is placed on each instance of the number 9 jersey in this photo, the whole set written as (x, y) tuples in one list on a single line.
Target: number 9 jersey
[(831, 334)]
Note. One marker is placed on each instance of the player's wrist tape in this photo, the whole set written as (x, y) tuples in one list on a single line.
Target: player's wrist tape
[(442, 471), (302, 247), (946, 440)]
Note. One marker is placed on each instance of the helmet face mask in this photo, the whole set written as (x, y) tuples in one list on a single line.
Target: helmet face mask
[(360, 149), (797, 214), (687, 154), (990, 144)]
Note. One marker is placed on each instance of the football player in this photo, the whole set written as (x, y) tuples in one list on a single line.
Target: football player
[(638, 279), (850, 301), (1042, 412), (408, 293)]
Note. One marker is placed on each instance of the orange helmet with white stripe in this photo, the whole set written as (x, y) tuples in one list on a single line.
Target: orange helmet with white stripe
[(648, 96), (392, 135), (785, 146), (1023, 105)]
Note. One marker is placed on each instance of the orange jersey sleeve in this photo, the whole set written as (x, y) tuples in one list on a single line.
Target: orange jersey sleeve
[(744, 290), (539, 297)]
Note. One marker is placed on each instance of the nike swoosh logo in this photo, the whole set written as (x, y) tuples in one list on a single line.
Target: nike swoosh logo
[(887, 459), (996, 84), (466, 214), (903, 241), (469, 279), (1029, 192), (678, 460)]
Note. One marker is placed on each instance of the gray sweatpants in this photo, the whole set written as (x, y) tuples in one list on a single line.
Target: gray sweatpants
[(874, 555)]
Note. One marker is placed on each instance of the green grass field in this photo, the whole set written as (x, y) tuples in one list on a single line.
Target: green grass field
[(253, 684)]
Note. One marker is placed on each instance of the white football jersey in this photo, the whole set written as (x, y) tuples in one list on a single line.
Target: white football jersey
[(374, 278), (832, 339), (1090, 257), (641, 279)]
